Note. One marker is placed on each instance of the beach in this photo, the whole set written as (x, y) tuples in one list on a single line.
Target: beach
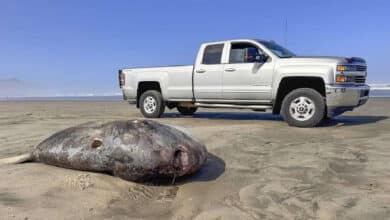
[(258, 167)]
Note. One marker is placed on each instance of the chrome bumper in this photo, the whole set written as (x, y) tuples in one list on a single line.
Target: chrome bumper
[(341, 98)]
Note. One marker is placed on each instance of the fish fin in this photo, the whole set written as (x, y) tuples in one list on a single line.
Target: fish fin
[(17, 159)]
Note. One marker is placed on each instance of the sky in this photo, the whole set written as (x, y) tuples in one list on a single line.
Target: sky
[(71, 47)]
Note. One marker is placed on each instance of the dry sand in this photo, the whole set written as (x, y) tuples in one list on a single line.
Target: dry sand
[(259, 168)]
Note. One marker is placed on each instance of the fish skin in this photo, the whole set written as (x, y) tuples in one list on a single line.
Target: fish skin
[(134, 150)]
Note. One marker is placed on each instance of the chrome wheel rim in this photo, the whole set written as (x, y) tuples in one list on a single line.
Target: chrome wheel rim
[(302, 108), (150, 104)]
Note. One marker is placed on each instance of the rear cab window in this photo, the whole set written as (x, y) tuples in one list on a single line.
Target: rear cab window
[(212, 54)]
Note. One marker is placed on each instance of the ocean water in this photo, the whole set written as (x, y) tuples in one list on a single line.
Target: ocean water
[(64, 98), (373, 93), (380, 93)]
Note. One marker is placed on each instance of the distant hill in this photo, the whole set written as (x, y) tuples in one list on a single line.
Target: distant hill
[(17, 88), (14, 87), (10, 82)]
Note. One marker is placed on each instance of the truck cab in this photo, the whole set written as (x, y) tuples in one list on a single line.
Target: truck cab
[(237, 71), (252, 74)]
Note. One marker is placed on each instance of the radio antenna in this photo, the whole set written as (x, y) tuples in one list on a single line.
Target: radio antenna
[(285, 32)]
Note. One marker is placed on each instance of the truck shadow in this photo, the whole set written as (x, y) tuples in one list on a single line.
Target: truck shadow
[(229, 116), (351, 120), (213, 168), (343, 120)]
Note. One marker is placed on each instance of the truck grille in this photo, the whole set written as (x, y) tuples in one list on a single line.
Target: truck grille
[(360, 79), (361, 68), (357, 79)]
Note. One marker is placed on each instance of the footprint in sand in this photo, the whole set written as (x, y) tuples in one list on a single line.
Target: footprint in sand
[(141, 192), (81, 181), (284, 199), (224, 213)]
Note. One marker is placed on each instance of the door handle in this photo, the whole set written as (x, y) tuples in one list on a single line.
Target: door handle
[(230, 70), (200, 71)]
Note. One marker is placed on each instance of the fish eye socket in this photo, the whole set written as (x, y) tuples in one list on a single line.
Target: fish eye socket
[(96, 143)]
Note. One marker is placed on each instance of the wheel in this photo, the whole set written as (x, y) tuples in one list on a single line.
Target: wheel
[(152, 104), (187, 110), (303, 108)]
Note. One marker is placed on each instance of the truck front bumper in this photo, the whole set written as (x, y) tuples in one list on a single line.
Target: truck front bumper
[(342, 98)]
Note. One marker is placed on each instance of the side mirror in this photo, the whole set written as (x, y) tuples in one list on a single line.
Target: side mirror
[(261, 58), (253, 55)]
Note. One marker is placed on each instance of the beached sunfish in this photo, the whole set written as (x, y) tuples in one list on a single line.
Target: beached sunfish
[(134, 150)]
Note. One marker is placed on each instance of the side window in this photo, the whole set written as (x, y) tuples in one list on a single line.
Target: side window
[(243, 53), (212, 54)]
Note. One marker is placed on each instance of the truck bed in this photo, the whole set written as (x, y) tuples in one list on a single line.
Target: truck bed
[(175, 81)]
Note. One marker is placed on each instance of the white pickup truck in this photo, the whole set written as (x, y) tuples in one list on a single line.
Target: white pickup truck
[(251, 74)]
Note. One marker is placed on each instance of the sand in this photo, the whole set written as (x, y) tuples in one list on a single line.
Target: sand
[(259, 167)]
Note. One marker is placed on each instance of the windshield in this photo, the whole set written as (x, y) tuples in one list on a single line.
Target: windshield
[(277, 49)]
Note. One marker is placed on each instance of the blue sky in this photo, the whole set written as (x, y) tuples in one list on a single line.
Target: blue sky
[(64, 47)]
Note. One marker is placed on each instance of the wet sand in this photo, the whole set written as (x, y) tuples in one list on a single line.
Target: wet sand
[(259, 167)]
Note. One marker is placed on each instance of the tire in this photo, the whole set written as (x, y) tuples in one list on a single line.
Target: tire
[(303, 107), (151, 104), (187, 110), (326, 118)]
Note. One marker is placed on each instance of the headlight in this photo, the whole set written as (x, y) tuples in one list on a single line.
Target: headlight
[(343, 68), (341, 78), (346, 68)]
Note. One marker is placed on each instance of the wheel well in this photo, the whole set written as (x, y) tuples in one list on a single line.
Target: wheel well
[(290, 83), (145, 86)]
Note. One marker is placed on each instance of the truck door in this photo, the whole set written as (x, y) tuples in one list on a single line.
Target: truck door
[(208, 73), (248, 74)]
